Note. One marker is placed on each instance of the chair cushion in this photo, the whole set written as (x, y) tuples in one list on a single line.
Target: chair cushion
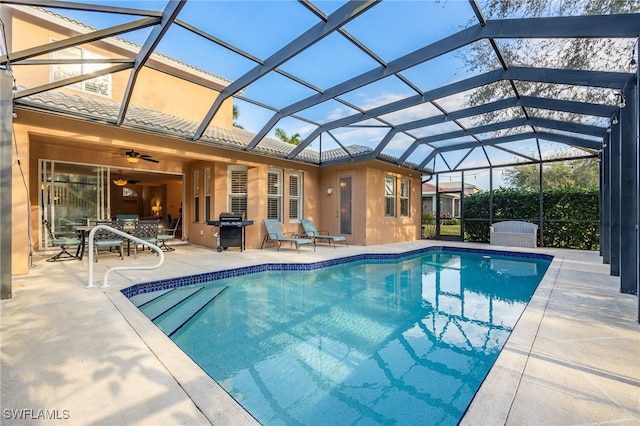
[(65, 241), (107, 242)]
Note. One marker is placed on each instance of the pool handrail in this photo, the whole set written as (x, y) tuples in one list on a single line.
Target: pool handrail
[(119, 268)]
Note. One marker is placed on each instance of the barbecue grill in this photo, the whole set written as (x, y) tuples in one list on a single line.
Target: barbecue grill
[(231, 230)]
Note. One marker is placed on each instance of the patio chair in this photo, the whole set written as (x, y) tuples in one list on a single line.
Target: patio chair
[(64, 243), (275, 235), (146, 230), (310, 231), (168, 235), (127, 217), (106, 238)]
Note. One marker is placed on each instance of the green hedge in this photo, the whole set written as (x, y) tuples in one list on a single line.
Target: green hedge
[(559, 204)]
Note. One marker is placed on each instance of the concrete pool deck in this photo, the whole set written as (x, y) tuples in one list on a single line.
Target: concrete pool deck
[(72, 355)]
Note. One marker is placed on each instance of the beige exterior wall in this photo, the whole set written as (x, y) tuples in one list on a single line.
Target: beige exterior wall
[(165, 93), (40, 135), (22, 208), (201, 234), (384, 230), (370, 226), (154, 89)]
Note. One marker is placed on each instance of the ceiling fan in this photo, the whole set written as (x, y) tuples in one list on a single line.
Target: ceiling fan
[(119, 180), (134, 156)]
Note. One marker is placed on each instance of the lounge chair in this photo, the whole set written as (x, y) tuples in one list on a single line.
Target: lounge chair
[(64, 243), (275, 235), (310, 231), (168, 235)]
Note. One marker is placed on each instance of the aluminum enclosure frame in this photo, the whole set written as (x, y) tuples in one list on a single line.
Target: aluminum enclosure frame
[(618, 149)]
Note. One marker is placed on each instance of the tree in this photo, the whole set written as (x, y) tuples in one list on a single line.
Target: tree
[(580, 174), (295, 139), (236, 114), (583, 53)]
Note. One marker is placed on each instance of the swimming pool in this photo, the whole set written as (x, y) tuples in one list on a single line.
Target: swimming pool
[(406, 340)]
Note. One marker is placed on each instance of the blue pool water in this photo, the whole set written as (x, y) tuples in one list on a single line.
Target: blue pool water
[(370, 342)]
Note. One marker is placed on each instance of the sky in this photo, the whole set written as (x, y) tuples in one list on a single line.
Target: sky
[(261, 27), (390, 29)]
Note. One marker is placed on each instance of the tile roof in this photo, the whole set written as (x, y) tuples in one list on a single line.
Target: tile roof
[(150, 120)]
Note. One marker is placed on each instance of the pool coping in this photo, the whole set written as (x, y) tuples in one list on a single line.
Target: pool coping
[(486, 407), (489, 406), (64, 345), (209, 397), (170, 283)]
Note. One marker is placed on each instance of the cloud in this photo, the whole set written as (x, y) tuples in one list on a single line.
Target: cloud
[(370, 102)]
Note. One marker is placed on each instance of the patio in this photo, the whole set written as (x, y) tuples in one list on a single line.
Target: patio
[(90, 357)]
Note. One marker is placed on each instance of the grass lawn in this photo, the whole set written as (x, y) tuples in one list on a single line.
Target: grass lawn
[(450, 229), (429, 230)]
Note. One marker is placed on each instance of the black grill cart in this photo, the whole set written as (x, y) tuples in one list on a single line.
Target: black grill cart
[(231, 230)]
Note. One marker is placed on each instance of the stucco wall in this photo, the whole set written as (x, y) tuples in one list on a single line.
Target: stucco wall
[(384, 230), (370, 226), (160, 91), (41, 135), (165, 93), (201, 233)]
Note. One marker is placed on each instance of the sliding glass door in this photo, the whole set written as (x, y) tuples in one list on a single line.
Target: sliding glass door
[(70, 194)]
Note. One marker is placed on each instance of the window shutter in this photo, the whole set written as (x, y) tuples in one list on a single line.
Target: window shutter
[(273, 184), (238, 189), (295, 195), (238, 205), (274, 191), (294, 208), (238, 182), (294, 185)]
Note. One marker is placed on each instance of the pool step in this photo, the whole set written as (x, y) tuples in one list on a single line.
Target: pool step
[(144, 298), (172, 320), (158, 306)]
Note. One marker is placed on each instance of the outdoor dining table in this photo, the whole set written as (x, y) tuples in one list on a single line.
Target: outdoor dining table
[(84, 230)]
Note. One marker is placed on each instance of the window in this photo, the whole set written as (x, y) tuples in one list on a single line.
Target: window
[(207, 194), (98, 86), (196, 196), (404, 197), (295, 196), (128, 192), (389, 196), (274, 194), (237, 189)]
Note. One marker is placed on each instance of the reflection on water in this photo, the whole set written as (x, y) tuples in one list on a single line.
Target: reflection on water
[(374, 343)]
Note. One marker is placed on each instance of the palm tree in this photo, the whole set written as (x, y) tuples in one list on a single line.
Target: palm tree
[(295, 139), (236, 114)]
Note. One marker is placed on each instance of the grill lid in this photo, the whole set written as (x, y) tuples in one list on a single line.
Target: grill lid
[(230, 217)]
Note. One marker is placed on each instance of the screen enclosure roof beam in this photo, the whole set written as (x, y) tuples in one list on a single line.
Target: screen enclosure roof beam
[(552, 137), (541, 75), (337, 19), (610, 26)]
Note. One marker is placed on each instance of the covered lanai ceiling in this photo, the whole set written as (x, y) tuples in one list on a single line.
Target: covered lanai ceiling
[(431, 85)]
